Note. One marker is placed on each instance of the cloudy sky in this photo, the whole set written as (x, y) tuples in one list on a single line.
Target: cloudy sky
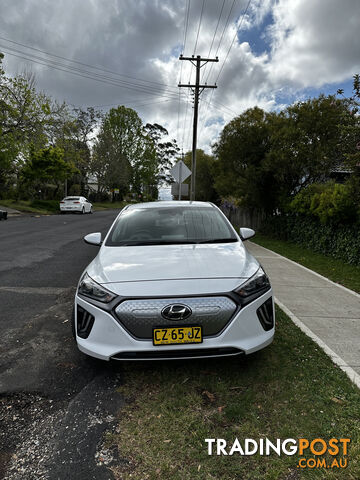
[(104, 53)]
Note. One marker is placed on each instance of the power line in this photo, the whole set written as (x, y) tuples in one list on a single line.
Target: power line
[(186, 110), (102, 69), (131, 103), (90, 75), (233, 40), (221, 37), (198, 62), (201, 15), (217, 78), (212, 41), (49, 62), (186, 25)]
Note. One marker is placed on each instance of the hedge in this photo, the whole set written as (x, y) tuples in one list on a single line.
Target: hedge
[(339, 241)]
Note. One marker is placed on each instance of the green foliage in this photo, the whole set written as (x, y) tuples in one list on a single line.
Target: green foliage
[(338, 241), (75, 189), (128, 155), (47, 164), (327, 202), (165, 151), (264, 158), (205, 179), (117, 150), (239, 168)]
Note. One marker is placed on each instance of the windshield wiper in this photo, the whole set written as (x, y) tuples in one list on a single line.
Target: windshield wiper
[(218, 240)]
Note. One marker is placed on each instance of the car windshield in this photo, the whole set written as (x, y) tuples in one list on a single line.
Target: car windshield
[(173, 225), (70, 199)]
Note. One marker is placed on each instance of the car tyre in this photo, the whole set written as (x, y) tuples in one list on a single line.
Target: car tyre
[(91, 210), (83, 211)]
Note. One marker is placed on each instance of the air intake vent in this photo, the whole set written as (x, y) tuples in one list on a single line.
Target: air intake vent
[(265, 314), (84, 322)]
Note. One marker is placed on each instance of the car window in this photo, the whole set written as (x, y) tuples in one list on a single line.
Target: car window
[(151, 226), (72, 199)]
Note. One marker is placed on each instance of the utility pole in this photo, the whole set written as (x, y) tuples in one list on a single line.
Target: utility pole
[(198, 62)]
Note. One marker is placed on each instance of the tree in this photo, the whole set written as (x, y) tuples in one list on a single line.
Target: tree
[(306, 142), (74, 134), (240, 154), (351, 140), (118, 150), (264, 159), (205, 181), (29, 121), (45, 166), (165, 151), (126, 154)]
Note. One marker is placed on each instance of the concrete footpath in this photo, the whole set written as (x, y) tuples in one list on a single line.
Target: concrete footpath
[(327, 312)]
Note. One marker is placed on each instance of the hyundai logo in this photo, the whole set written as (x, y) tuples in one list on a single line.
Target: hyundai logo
[(176, 312)]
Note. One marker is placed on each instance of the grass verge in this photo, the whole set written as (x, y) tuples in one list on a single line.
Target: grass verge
[(289, 390), (98, 206), (332, 268), (49, 207), (42, 207)]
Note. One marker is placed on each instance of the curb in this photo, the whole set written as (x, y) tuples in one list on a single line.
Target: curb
[(350, 372)]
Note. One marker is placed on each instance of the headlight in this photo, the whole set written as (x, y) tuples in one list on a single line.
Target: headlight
[(254, 287), (90, 288)]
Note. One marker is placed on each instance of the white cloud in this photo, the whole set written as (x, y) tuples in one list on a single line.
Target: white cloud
[(310, 43)]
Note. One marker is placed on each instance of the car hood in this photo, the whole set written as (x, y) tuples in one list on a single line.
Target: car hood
[(172, 262)]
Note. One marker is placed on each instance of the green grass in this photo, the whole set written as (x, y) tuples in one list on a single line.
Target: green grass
[(332, 268), (49, 207), (289, 390), (98, 206), (42, 207)]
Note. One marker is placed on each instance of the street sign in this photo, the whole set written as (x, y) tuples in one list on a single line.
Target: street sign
[(180, 171), (184, 189)]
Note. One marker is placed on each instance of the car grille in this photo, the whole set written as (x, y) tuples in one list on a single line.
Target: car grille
[(139, 316)]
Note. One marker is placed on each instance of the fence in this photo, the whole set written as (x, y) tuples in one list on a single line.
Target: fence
[(242, 217)]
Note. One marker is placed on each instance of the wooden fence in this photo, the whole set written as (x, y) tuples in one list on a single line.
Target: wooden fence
[(242, 217)]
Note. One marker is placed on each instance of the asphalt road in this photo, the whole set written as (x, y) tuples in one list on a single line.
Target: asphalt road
[(55, 403)]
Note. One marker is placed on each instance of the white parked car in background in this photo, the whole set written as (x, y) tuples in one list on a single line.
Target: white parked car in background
[(172, 280), (75, 204)]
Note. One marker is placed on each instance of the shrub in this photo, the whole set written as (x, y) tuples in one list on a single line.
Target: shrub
[(328, 202), (334, 239)]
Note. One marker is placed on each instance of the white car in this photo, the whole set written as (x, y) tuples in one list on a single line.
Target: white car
[(75, 204), (172, 280)]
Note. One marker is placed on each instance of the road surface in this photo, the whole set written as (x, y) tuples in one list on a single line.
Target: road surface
[(55, 403)]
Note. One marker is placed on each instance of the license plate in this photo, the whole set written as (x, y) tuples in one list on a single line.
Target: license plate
[(177, 335)]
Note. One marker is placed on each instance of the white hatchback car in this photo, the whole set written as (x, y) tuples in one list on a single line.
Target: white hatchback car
[(76, 204), (172, 280)]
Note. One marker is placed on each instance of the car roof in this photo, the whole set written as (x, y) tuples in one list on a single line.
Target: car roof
[(171, 203)]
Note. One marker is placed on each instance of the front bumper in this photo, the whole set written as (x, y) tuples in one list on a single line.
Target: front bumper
[(244, 334)]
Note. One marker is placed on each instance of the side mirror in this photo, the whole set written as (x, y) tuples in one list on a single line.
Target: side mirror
[(93, 238), (246, 233)]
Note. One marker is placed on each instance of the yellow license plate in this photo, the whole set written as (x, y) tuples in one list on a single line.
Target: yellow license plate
[(177, 335)]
